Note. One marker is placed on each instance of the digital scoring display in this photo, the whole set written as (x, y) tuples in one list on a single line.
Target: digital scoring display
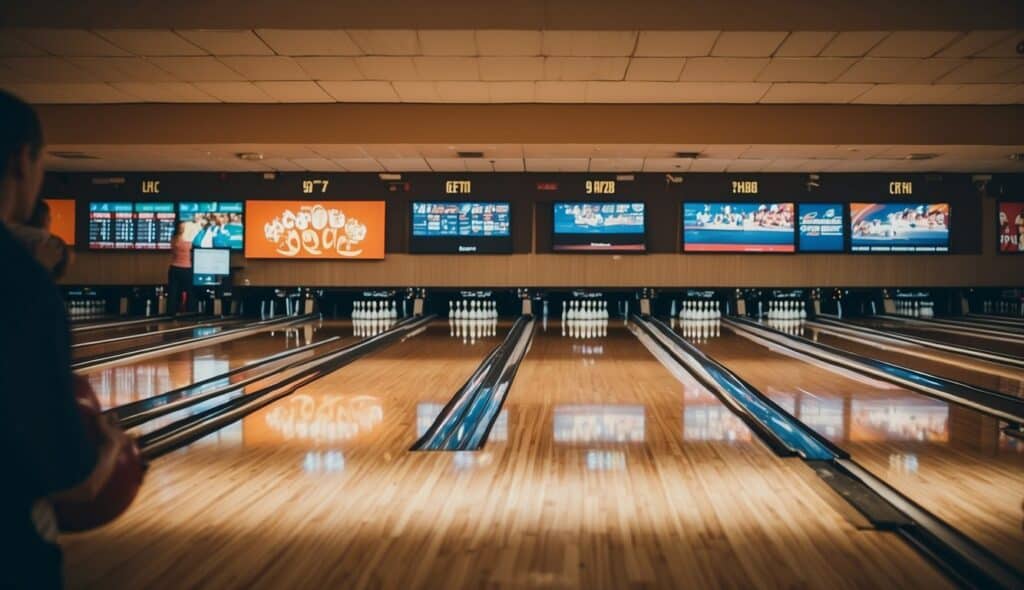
[(599, 226), (213, 224), (738, 227), (131, 226), (821, 227), (899, 227), (1011, 227), (461, 227), (210, 265)]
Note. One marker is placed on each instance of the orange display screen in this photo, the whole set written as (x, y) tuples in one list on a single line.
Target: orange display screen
[(318, 230), (62, 219)]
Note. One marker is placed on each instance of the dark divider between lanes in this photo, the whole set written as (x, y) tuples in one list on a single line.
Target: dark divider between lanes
[(124, 357), (157, 333), (183, 432), (965, 330), (137, 321), (978, 324), (466, 420), (959, 557), (992, 403)]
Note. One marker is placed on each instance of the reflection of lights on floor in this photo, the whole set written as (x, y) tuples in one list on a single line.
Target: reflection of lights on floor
[(598, 423), (323, 462), (463, 460), (606, 460), (903, 462), (325, 417)]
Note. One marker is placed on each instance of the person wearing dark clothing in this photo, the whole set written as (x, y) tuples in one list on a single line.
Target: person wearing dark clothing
[(179, 273)]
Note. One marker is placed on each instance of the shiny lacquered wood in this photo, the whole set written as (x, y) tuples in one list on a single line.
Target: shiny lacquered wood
[(319, 490), (1008, 344)]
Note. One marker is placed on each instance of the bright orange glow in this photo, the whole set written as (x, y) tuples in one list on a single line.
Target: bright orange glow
[(62, 216), (314, 229)]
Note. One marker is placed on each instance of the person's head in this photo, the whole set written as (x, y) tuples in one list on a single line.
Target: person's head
[(21, 161), (40, 216)]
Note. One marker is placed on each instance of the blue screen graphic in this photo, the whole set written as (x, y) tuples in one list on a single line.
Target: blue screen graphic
[(599, 218), (738, 227), (822, 227), (899, 227), (214, 224), (460, 219)]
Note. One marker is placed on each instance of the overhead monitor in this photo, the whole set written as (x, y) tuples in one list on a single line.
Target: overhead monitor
[(599, 227), (738, 227), (315, 230), (461, 227), (899, 227), (213, 224), (210, 265)]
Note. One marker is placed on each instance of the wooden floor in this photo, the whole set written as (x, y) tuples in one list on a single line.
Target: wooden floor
[(604, 471), (953, 461), (948, 334)]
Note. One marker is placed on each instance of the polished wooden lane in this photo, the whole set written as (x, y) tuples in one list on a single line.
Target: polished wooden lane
[(953, 461), (115, 331), (993, 376), (947, 334), (127, 383)]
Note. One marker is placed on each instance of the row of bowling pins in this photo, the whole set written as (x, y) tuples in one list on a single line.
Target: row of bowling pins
[(915, 309), (700, 330), (793, 326), (86, 308), (371, 326), (786, 310), (374, 310), (700, 310), (470, 330), (1003, 308), (472, 309), (593, 328), (587, 309)]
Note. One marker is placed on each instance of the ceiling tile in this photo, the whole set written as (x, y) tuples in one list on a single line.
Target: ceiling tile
[(392, 150), (557, 164), (674, 92), (805, 69), (667, 164), (895, 70), (560, 91), (122, 69), (387, 68), (277, 67), (227, 42), (616, 164), (404, 164), (318, 164), (447, 42), (1014, 76), (487, 164), (45, 69), (979, 70), (447, 164), (417, 91), (722, 69), (13, 46), (386, 41), (68, 93), (281, 165), (509, 165), (675, 43), (804, 43), (469, 92), (709, 165), (747, 165), (309, 42), (234, 91), (330, 68), (511, 92), (70, 42), (294, 91), (150, 42), (508, 43), (654, 68), (589, 43), (814, 93), (511, 68), (359, 164), (1005, 48), (557, 150), (585, 68), (447, 68), (974, 42), (361, 91), (904, 94), (719, 92), (196, 69), (853, 43), (913, 43), (163, 91), (338, 151), (978, 94), (747, 43)]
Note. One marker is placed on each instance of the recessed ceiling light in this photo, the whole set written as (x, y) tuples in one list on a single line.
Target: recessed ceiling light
[(921, 156), (470, 154), (250, 156), (688, 155)]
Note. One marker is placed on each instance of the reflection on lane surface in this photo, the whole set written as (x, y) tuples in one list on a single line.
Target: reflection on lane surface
[(1008, 344)]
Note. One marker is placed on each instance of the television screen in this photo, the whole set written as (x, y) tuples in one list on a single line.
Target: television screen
[(738, 227), (440, 226), (899, 227), (599, 227), (318, 230), (1011, 227), (821, 227), (213, 224), (210, 265), (130, 226), (62, 219)]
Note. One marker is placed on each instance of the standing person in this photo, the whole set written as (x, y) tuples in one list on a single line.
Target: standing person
[(48, 455), (47, 248), (179, 274)]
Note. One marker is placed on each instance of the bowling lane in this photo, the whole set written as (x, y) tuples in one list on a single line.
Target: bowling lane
[(127, 383), (1004, 344), (312, 491), (952, 460), (131, 330), (1008, 380), (648, 479)]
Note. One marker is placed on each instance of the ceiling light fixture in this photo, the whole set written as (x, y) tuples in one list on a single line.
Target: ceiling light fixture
[(250, 156)]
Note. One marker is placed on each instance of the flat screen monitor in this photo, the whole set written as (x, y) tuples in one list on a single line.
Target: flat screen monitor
[(461, 227), (210, 265), (821, 227), (130, 225), (738, 227), (1010, 228), (315, 230), (213, 224), (599, 227), (62, 219), (899, 227)]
